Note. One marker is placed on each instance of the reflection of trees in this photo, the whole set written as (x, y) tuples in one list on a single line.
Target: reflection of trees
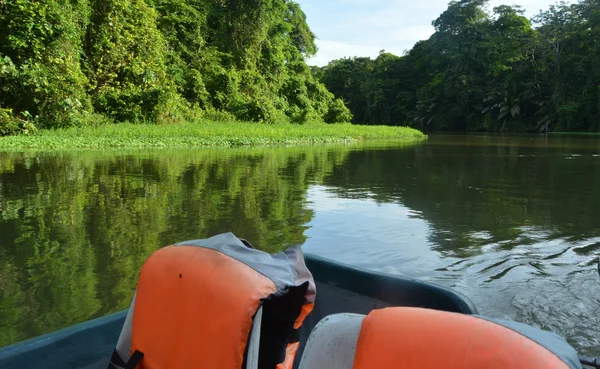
[(486, 193), (76, 227), (41, 212)]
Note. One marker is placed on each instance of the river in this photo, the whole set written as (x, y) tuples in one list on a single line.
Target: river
[(513, 222)]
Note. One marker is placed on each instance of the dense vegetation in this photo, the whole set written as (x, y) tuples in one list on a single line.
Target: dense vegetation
[(79, 62), (187, 135), (484, 72)]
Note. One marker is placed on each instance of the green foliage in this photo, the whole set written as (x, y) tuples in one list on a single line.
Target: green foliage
[(12, 125), (338, 112), (484, 72), (347, 79), (126, 61), (204, 133), (158, 61), (40, 60), (9, 125)]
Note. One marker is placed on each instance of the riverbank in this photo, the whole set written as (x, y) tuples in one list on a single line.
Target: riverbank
[(205, 134)]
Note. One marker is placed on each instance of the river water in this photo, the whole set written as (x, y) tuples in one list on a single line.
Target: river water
[(513, 222)]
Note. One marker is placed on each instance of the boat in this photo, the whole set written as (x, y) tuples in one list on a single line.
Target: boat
[(341, 289)]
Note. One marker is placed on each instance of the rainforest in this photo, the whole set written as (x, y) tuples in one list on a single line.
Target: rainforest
[(86, 63), (484, 70), (67, 63)]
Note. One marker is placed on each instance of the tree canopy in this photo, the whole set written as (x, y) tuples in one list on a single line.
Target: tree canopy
[(483, 71), (79, 62), (74, 62)]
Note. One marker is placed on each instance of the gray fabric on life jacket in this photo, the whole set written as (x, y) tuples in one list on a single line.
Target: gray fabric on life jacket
[(124, 343), (549, 340), (254, 341), (281, 267), (303, 275)]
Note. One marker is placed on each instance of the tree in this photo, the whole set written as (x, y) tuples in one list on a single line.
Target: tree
[(75, 62), (484, 72), (126, 61), (40, 61), (346, 79), (513, 92)]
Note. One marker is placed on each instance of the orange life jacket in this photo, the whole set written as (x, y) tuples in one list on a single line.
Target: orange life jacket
[(418, 338), (216, 304), (415, 338)]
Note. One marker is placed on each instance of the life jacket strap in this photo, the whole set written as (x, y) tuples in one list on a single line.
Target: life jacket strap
[(134, 359), (117, 362), (294, 336)]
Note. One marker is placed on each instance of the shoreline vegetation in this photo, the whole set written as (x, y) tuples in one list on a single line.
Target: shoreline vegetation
[(204, 134), (72, 64), (485, 68), (164, 62), (492, 69)]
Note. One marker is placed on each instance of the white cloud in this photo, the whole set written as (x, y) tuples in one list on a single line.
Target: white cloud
[(364, 27)]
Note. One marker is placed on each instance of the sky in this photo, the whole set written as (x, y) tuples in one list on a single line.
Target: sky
[(347, 28)]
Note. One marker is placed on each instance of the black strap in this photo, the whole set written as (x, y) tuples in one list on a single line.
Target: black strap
[(115, 360), (294, 336), (134, 359)]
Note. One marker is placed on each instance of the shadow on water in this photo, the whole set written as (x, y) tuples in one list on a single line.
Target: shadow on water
[(509, 221)]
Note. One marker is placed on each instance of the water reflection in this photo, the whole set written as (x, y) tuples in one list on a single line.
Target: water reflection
[(76, 227), (510, 221)]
